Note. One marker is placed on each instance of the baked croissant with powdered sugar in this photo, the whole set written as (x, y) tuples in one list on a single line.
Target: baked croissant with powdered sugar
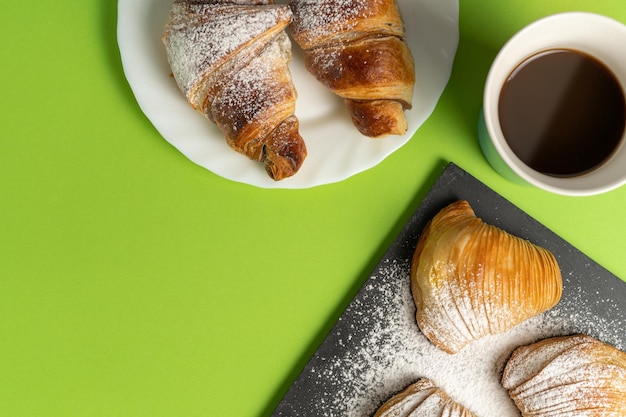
[(565, 376), (357, 49), (230, 59), (470, 279)]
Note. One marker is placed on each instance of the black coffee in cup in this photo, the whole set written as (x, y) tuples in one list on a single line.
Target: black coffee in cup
[(562, 112)]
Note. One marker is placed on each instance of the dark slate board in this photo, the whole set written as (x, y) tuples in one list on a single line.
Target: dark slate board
[(593, 302)]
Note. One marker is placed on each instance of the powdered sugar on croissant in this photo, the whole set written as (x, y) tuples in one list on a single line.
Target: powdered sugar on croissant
[(230, 59), (356, 48)]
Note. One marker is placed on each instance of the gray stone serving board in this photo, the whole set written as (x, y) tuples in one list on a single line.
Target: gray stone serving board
[(335, 380)]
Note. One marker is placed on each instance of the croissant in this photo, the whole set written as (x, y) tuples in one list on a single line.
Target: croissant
[(567, 376), (356, 48), (470, 279), (422, 399), (230, 59)]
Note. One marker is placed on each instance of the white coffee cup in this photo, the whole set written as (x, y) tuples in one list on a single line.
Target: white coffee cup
[(595, 35)]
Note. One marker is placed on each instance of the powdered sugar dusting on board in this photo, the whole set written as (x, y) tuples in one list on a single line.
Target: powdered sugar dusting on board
[(379, 350)]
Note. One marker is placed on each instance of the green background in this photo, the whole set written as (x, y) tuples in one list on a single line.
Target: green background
[(135, 283)]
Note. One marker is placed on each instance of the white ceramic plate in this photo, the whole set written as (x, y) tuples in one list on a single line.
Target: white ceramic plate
[(336, 150)]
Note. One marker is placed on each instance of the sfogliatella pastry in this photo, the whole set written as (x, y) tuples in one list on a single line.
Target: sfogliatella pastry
[(422, 399), (230, 59), (567, 376), (470, 279), (356, 48)]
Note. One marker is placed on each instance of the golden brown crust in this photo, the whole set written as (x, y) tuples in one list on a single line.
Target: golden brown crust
[(565, 376), (365, 69), (470, 279), (356, 48), (377, 118), (255, 108), (320, 23), (231, 58), (284, 150)]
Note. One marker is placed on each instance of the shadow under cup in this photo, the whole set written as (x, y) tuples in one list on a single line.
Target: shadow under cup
[(592, 35)]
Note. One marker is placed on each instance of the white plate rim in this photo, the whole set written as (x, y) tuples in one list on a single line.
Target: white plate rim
[(336, 150)]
